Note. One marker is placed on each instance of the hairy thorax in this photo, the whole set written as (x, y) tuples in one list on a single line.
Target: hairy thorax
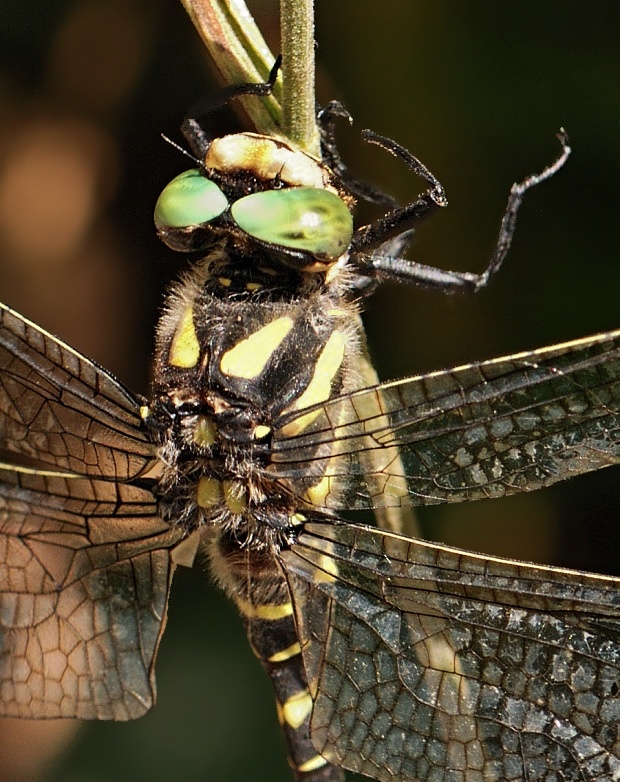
[(241, 350)]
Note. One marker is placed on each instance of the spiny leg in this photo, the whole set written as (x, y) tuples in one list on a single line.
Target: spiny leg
[(325, 118), (193, 131), (402, 219)]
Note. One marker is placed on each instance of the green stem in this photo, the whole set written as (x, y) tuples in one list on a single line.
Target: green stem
[(298, 103), (241, 55), (239, 52)]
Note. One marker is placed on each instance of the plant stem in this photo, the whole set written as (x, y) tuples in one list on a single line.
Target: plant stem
[(239, 52), (241, 55), (299, 103)]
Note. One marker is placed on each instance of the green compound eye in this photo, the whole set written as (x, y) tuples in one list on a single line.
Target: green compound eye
[(298, 218), (190, 199)]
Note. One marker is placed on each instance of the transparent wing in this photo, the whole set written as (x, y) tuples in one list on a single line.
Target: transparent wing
[(61, 410), (85, 571), (431, 664), (483, 430), (85, 563)]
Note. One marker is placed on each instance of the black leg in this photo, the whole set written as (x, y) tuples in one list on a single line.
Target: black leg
[(193, 131), (387, 267), (325, 118)]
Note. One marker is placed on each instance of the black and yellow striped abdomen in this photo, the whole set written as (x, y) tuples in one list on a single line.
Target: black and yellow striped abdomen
[(253, 578)]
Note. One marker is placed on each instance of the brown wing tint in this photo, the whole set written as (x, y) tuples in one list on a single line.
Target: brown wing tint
[(483, 430), (85, 564), (85, 570), (428, 663), (59, 409)]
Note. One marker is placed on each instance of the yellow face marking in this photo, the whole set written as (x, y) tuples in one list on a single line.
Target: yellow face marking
[(144, 412), (184, 349), (248, 358), (267, 270), (261, 431), (209, 492), (285, 654), (225, 282), (297, 708), (235, 496), (319, 387), (253, 286), (205, 432), (311, 765), (317, 494), (265, 611)]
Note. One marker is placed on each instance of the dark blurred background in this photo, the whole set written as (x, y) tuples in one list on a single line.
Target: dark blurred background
[(477, 91)]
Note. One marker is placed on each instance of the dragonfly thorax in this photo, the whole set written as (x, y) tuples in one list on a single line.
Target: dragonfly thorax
[(231, 370)]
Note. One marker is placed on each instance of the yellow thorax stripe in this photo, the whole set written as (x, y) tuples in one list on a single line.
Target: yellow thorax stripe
[(248, 358), (320, 386), (184, 348)]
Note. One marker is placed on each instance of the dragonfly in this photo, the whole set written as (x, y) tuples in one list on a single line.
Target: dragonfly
[(389, 655)]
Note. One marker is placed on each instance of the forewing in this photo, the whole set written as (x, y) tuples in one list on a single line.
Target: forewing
[(59, 409), (427, 663), (85, 571), (483, 430)]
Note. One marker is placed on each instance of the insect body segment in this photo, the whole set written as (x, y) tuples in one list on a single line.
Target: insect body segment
[(230, 365), (266, 609)]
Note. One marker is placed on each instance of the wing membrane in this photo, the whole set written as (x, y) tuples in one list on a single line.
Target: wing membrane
[(430, 663), (59, 409), (85, 571), (483, 430)]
